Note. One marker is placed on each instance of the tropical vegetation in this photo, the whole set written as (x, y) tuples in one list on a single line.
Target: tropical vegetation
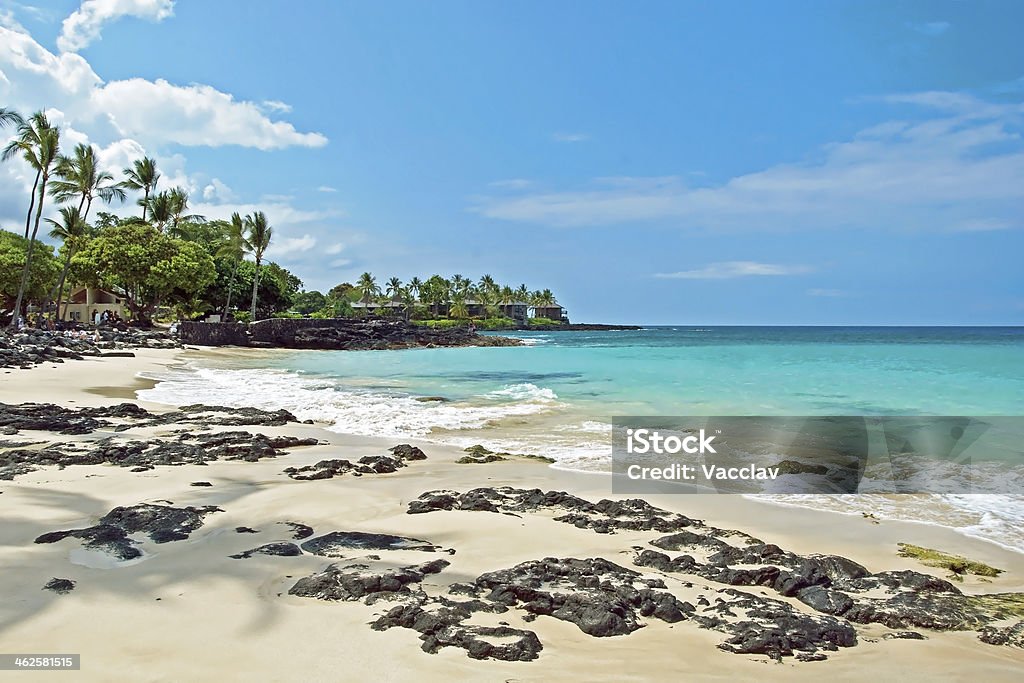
[(168, 260)]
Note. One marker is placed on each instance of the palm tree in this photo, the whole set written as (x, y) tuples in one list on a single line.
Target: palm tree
[(141, 175), (234, 248), (408, 300), (522, 293), (80, 176), (177, 205), (487, 283), (27, 143), (415, 287), (10, 117), (367, 286), (257, 238), (70, 229), (394, 288), (161, 210), (459, 309), (460, 284), (43, 156)]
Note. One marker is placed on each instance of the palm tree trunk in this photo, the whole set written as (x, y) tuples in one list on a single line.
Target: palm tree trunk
[(57, 293), (231, 285), (255, 285), (31, 203), (145, 204), (28, 256)]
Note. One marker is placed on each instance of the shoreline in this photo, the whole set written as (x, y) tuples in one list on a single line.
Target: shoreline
[(243, 599)]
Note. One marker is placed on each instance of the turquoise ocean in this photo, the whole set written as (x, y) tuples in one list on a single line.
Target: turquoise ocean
[(557, 395)]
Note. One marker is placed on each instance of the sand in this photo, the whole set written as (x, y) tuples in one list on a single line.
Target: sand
[(186, 612)]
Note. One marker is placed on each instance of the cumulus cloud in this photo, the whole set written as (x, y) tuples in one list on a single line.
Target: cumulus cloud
[(194, 115), (334, 249), (291, 245), (153, 112), (277, 105), (217, 191), (727, 270), (83, 26), (957, 166)]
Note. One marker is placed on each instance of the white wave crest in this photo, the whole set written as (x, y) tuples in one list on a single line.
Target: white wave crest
[(348, 410)]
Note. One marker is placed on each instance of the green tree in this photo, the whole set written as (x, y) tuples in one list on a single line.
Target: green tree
[(145, 265), (9, 117), (394, 288), (277, 291), (42, 156), (13, 252), (182, 224), (233, 249), (458, 311), (72, 231), (141, 176), (367, 286), (161, 210), (415, 286), (487, 283), (81, 178), (345, 291), (309, 302), (257, 240), (27, 143), (437, 292)]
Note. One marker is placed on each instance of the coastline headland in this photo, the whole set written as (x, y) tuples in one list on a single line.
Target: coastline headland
[(333, 333)]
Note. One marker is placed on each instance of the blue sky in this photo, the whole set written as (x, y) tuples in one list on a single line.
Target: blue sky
[(674, 162)]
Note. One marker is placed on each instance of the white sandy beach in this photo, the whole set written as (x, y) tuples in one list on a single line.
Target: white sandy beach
[(186, 612)]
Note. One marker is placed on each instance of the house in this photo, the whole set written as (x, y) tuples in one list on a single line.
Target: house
[(377, 308), (552, 312), (476, 309), (517, 310), (82, 303)]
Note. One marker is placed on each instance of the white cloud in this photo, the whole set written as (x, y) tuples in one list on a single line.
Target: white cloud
[(217, 191), (153, 112), (727, 270), (194, 115), (569, 137), (291, 245), (326, 188), (931, 28), (276, 105), (335, 248), (340, 263), (84, 25), (959, 165)]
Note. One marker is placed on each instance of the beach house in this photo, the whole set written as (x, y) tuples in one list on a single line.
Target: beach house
[(82, 302), (551, 312)]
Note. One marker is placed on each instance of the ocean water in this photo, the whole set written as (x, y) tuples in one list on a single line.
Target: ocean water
[(556, 396)]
